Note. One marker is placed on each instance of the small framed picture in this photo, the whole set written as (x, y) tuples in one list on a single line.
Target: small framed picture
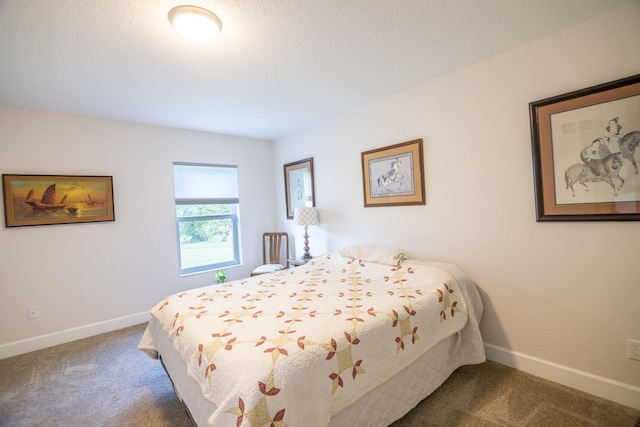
[(57, 199), (298, 185), (394, 175), (585, 145)]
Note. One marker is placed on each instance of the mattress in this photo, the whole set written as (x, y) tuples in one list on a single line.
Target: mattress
[(380, 406)]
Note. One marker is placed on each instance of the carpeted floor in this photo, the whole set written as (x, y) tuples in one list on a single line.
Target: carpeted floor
[(105, 381)]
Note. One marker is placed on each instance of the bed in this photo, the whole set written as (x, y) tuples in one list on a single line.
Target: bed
[(354, 337)]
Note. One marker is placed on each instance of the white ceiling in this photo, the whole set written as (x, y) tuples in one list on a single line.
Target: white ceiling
[(278, 66)]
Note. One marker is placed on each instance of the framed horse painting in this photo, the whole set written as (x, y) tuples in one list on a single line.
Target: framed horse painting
[(394, 175), (585, 145)]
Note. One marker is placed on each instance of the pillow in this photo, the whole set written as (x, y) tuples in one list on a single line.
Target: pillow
[(375, 252)]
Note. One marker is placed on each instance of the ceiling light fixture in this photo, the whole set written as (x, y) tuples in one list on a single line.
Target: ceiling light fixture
[(195, 23)]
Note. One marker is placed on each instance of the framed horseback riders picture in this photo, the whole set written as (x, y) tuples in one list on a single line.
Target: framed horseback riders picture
[(298, 185), (394, 175), (57, 199), (585, 153)]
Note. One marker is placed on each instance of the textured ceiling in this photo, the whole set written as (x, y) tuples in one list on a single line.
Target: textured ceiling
[(278, 66)]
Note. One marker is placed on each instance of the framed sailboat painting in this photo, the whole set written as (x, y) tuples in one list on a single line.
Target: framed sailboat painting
[(57, 199)]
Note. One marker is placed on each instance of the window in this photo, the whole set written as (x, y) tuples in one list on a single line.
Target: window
[(207, 217)]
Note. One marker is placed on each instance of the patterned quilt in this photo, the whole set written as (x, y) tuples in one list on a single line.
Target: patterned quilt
[(297, 346)]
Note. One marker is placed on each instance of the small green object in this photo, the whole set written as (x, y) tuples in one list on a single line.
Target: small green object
[(221, 275)]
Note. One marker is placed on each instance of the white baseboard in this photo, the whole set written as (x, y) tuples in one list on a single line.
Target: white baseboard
[(616, 391), (43, 341)]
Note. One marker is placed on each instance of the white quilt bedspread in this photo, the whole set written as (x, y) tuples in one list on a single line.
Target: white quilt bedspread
[(298, 346)]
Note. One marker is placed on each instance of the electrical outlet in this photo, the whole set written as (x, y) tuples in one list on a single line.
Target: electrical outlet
[(34, 312), (633, 349)]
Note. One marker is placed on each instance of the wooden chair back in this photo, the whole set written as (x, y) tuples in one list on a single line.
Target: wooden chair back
[(275, 248)]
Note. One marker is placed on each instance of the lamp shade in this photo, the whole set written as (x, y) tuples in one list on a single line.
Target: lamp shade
[(306, 216)]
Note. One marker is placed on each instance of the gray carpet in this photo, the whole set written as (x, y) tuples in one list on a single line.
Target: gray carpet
[(105, 381)]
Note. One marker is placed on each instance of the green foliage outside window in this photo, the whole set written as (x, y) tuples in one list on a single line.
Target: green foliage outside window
[(201, 228)]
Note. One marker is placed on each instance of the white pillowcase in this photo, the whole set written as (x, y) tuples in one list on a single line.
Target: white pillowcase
[(375, 252)]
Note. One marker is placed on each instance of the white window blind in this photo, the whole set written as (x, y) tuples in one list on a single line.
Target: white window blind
[(212, 184)]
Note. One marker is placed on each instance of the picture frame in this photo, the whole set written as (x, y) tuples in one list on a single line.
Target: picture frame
[(394, 175), (298, 185), (584, 149), (56, 199)]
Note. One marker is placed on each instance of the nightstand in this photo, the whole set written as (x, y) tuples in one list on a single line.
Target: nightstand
[(295, 262)]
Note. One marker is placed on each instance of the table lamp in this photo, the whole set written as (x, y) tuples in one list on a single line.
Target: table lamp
[(306, 217)]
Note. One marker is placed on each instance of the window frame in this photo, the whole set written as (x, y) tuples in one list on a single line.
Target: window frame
[(234, 216)]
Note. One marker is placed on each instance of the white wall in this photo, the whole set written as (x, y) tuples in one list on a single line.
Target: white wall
[(87, 278), (561, 296)]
